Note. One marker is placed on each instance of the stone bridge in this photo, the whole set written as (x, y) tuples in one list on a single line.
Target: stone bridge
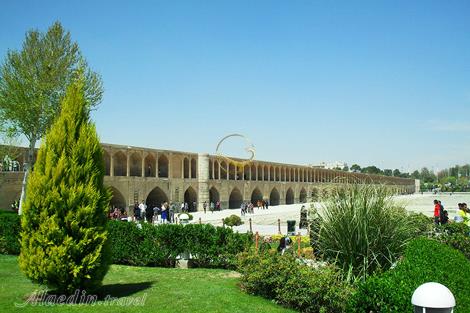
[(155, 176)]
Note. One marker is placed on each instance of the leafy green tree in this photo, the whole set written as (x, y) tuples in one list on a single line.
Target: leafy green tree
[(415, 175), (371, 170), (34, 79), (355, 168), (388, 172), (427, 176), (64, 234), (396, 172), (345, 168)]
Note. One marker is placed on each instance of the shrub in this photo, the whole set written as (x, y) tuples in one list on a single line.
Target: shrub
[(63, 238), (9, 229), (456, 235), (149, 245), (425, 260), (293, 284), (233, 220), (423, 225), (362, 229)]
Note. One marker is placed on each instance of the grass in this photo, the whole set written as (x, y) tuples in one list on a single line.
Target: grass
[(167, 290)]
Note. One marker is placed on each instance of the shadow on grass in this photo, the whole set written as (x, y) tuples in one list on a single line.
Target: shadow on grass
[(123, 290)]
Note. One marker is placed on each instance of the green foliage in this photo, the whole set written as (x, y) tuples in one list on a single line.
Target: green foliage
[(63, 237), (422, 224), (9, 230), (456, 235), (149, 245), (362, 229), (34, 79), (293, 284), (233, 220), (425, 260)]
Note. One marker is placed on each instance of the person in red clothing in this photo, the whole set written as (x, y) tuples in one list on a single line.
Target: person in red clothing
[(437, 211)]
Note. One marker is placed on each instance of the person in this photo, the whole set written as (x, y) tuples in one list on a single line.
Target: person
[(441, 211), (217, 205), (164, 212), (444, 217), (194, 206), (171, 213), (156, 211), (136, 211), (186, 207), (462, 215), (437, 210), (282, 245), (212, 206), (182, 206), (242, 209), (204, 206), (267, 204), (143, 209)]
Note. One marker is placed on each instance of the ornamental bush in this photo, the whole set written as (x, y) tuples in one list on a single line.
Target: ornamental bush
[(9, 230), (362, 229), (64, 235), (289, 282), (425, 260), (160, 245), (233, 220)]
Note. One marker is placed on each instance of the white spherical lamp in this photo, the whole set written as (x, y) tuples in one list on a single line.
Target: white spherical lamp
[(433, 298)]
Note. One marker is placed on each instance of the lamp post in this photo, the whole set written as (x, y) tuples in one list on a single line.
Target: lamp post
[(433, 298)]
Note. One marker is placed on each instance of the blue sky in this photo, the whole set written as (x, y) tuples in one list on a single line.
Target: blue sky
[(369, 82)]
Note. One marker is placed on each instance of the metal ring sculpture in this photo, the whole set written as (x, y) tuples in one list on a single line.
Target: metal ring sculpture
[(249, 148)]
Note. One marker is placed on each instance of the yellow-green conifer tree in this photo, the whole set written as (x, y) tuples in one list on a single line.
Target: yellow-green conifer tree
[(64, 235)]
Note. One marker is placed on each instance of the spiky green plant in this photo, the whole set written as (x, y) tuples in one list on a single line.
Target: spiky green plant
[(64, 236), (362, 229)]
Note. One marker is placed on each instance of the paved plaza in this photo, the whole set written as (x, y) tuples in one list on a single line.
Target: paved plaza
[(266, 221)]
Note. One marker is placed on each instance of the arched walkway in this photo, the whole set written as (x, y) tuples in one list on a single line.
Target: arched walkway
[(150, 166), (107, 163), (213, 195), (289, 196), (303, 196), (235, 200), (190, 196), (274, 197), (136, 164), (117, 199), (256, 196), (163, 166), (186, 168), (120, 164), (193, 168), (156, 197)]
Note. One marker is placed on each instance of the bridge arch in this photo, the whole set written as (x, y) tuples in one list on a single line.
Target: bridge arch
[(156, 197), (149, 165), (214, 195), (235, 199), (120, 164), (186, 172), (163, 166), (289, 196), (190, 196), (107, 163), (274, 197), (117, 200), (256, 196), (303, 195), (135, 164)]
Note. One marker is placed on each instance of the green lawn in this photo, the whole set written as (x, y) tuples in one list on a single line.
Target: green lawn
[(167, 290)]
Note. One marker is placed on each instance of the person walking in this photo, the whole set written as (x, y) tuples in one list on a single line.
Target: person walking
[(212, 207), (267, 204), (217, 205), (186, 207), (204, 206), (164, 212), (437, 212)]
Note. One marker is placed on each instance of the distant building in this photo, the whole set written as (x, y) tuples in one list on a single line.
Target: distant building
[(330, 166)]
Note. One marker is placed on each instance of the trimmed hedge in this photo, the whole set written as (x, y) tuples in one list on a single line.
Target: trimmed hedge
[(10, 227), (456, 235), (289, 282), (425, 260), (149, 245)]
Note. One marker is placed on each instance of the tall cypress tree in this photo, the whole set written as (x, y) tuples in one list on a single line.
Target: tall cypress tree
[(64, 235)]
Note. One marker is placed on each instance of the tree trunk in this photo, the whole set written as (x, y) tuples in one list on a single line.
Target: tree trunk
[(29, 166)]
